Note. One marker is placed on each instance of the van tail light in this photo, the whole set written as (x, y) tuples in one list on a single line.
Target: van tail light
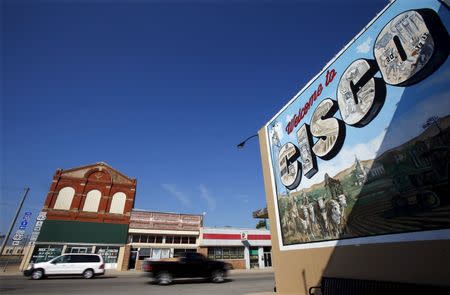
[(102, 266)]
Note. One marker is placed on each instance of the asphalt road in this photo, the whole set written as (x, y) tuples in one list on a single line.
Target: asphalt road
[(236, 284)]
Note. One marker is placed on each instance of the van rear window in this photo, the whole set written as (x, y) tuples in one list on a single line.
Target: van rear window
[(85, 258)]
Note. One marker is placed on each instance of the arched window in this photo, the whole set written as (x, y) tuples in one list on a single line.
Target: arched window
[(92, 201), (118, 203), (64, 199)]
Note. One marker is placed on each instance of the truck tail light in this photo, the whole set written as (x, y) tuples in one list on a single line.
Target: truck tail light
[(148, 267)]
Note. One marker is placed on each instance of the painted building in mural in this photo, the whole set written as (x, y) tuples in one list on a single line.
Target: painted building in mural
[(87, 210), (356, 165)]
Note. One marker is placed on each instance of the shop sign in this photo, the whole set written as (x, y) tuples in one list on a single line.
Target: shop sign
[(37, 227), (45, 253), (350, 150), (20, 233)]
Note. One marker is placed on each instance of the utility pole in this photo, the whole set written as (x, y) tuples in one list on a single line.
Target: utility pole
[(5, 241)]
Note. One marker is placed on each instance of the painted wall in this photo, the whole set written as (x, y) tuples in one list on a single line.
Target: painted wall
[(356, 165)]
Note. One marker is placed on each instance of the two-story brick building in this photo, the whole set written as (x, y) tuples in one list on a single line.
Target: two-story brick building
[(87, 210)]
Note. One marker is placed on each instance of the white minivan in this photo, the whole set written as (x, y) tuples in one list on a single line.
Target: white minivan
[(87, 265)]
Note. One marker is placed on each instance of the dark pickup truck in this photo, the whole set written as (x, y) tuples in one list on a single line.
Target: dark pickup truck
[(189, 265)]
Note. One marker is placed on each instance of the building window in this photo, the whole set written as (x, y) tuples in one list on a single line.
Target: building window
[(79, 249), (226, 253), (144, 253), (109, 253), (64, 199), (118, 203), (179, 252), (92, 201), (180, 240), (149, 239), (154, 253)]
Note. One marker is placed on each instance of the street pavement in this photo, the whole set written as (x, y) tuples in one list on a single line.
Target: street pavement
[(238, 283)]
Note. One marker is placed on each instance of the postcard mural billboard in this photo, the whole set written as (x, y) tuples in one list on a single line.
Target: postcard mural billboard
[(362, 151)]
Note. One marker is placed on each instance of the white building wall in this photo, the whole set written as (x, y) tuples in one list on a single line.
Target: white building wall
[(247, 257)]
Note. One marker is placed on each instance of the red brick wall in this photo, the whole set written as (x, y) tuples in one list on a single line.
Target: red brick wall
[(126, 257), (237, 263), (99, 179)]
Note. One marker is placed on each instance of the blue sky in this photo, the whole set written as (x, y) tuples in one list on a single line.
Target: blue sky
[(160, 90)]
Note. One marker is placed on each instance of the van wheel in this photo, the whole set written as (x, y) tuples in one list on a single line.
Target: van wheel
[(88, 274), (164, 278), (218, 276), (37, 274)]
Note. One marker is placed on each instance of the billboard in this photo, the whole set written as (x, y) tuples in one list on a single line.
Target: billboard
[(361, 153)]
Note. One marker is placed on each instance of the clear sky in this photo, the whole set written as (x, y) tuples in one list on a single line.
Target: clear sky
[(160, 90)]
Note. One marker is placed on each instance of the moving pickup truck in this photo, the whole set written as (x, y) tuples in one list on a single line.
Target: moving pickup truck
[(189, 265)]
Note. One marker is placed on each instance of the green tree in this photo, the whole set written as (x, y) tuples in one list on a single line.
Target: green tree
[(261, 224)]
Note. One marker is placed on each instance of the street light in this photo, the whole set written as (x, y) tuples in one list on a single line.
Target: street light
[(241, 145)]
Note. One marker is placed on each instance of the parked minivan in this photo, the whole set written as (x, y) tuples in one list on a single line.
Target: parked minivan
[(87, 265)]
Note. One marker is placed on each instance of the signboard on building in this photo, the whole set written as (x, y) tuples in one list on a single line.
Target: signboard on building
[(164, 221), (353, 156), (37, 227), (43, 253), (20, 233)]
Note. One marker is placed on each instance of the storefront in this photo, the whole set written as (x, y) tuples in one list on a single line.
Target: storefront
[(105, 239), (87, 210), (159, 235), (243, 248)]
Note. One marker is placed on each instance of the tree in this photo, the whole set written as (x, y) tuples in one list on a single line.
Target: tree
[(261, 224)]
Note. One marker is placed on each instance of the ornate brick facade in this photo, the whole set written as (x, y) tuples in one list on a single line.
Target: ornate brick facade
[(99, 176)]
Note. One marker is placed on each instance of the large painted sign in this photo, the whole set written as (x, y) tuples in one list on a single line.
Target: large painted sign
[(361, 154)]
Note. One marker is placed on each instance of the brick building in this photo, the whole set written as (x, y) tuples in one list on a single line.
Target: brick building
[(159, 235), (87, 210)]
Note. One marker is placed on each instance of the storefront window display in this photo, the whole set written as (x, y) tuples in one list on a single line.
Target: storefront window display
[(109, 253), (226, 253), (44, 253)]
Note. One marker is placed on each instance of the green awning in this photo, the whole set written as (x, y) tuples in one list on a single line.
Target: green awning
[(83, 232)]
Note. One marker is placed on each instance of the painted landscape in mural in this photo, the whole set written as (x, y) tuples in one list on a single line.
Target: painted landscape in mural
[(364, 149), (404, 189)]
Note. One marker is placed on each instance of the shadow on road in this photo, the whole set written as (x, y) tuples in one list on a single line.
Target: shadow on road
[(75, 277), (191, 281)]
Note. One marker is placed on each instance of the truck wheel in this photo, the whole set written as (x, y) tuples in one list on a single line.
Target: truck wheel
[(88, 274), (164, 278), (430, 200), (218, 276), (37, 274)]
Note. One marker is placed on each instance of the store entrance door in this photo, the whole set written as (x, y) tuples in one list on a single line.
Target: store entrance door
[(254, 257), (132, 261), (267, 256), (267, 259)]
